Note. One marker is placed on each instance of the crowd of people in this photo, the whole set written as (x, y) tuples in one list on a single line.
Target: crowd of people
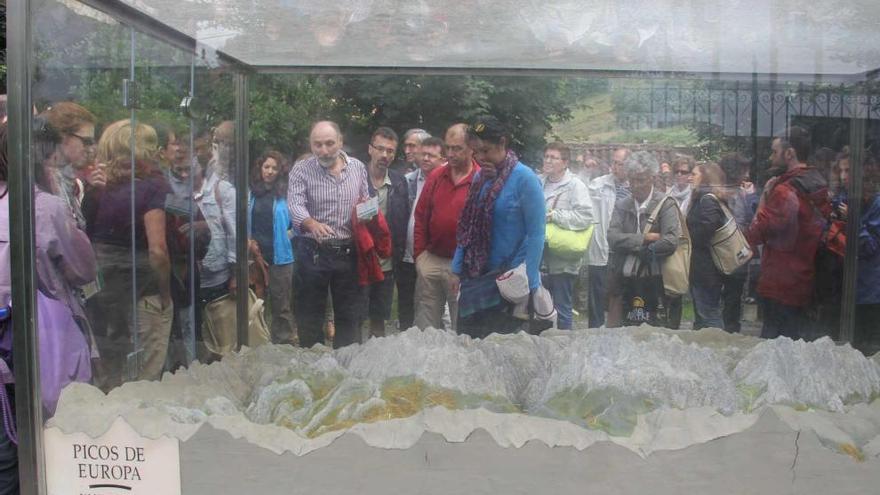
[(135, 240)]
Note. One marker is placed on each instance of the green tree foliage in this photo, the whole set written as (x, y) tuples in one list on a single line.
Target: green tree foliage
[(92, 62), (528, 104), (282, 108)]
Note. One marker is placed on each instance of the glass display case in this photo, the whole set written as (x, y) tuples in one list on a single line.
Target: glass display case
[(162, 327)]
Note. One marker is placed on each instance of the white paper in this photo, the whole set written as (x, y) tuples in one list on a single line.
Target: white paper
[(368, 209), (119, 461)]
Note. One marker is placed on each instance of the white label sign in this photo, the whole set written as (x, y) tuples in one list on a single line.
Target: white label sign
[(118, 462), (368, 209)]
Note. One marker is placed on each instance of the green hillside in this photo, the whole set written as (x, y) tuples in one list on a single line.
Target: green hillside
[(595, 121)]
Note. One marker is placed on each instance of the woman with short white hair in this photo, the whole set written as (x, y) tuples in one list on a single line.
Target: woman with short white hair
[(635, 284), (570, 208)]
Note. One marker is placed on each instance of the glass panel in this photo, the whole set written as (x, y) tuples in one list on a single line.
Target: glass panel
[(83, 60), (693, 36), (165, 310), (752, 171), (682, 123), (115, 149), (867, 293), (215, 186)]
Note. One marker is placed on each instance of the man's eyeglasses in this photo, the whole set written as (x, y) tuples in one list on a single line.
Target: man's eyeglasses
[(382, 149), (87, 141), (682, 172)]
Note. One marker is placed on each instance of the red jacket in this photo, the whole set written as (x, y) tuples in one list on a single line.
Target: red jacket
[(789, 225), (372, 240)]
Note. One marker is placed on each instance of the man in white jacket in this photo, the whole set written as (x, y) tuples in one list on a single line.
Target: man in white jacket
[(604, 191)]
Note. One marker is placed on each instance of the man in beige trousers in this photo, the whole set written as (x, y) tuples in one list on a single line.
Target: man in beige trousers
[(436, 220)]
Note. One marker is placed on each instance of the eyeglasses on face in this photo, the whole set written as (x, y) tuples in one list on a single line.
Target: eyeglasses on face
[(682, 172), (382, 149), (87, 141)]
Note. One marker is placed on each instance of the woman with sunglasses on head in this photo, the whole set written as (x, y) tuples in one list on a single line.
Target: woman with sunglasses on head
[(501, 226), (75, 170), (681, 189), (63, 261)]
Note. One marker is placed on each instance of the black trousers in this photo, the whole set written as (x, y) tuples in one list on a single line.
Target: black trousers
[(8, 455), (488, 321), (320, 268), (405, 275), (867, 337), (597, 297), (731, 294)]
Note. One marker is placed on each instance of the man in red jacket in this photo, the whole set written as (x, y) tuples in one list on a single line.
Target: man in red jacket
[(436, 219), (789, 224)]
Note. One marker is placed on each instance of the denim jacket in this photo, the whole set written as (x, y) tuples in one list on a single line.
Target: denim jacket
[(216, 265)]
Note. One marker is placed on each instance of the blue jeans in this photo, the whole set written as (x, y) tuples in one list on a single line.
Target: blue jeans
[(561, 286), (707, 306)]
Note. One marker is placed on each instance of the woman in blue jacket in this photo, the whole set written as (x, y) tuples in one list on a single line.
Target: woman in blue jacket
[(269, 235), (501, 225), (868, 279)]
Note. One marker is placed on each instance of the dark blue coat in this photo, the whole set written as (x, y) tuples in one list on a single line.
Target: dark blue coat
[(398, 209)]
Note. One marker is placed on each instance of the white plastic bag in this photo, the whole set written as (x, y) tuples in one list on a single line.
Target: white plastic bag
[(542, 303), (514, 284)]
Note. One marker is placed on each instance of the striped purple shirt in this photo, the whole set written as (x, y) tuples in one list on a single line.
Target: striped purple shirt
[(316, 193)]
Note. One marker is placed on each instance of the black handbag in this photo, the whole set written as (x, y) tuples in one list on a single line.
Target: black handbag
[(642, 297)]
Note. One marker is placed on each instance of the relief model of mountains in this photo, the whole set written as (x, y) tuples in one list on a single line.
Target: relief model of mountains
[(646, 389)]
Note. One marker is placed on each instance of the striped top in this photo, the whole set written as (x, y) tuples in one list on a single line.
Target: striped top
[(316, 193)]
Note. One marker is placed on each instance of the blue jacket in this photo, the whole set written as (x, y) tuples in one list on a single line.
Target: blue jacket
[(868, 280), (517, 224), (283, 249)]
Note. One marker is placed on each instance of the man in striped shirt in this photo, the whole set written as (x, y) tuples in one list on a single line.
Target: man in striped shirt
[(323, 192)]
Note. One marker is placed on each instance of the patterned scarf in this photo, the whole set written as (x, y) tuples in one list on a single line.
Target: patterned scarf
[(475, 224)]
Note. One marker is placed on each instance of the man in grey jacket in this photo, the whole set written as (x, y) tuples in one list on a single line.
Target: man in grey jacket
[(430, 157), (629, 242), (604, 192)]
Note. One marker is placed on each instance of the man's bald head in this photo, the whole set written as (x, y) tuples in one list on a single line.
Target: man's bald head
[(325, 141), (323, 125), (456, 130), (458, 153)]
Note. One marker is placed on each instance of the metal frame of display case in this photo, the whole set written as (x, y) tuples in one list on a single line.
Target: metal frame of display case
[(21, 223), (21, 180)]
